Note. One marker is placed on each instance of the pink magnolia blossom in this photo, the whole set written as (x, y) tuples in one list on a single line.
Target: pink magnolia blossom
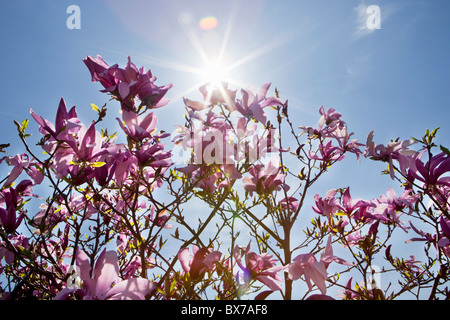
[(20, 163), (252, 104), (431, 173), (122, 242), (19, 241), (161, 218), (313, 271), (258, 267), (327, 205), (87, 144), (202, 260), (444, 241), (128, 83), (328, 153), (153, 155), (424, 236), (104, 282), (8, 216), (289, 203), (341, 135), (350, 205), (397, 150), (75, 148), (354, 238), (217, 95), (388, 207), (329, 121), (329, 118), (136, 128), (264, 179), (135, 266), (66, 123)]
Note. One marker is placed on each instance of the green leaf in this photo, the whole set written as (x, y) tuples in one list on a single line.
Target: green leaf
[(24, 124), (97, 164), (95, 108), (445, 150), (433, 134)]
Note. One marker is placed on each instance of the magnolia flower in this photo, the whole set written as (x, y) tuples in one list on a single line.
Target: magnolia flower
[(328, 205), (258, 267), (397, 150), (313, 271), (8, 216), (136, 128), (290, 203), (431, 172), (388, 206), (328, 153), (18, 242), (444, 241), (264, 179), (122, 242), (104, 282), (66, 123), (220, 94), (128, 83), (329, 117), (161, 218), (19, 162), (332, 121), (252, 103), (345, 144), (202, 260)]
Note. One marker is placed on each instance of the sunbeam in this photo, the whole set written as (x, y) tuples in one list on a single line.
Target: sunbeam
[(211, 39)]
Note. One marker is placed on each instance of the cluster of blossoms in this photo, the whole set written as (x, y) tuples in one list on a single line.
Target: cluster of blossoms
[(357, 221), (108, 187), (223, 148), (128, 84), (100, 176)]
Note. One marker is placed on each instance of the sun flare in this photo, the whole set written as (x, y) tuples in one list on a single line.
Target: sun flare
[(214, 73)]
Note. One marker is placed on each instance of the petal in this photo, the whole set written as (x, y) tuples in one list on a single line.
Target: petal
[(319, 297), (184, 258), (124, 90), (445, 227), (317, 277), (61, 115), (64, 293), (270, 282), (195, 105), (212, 257), (84, 268), (258, 113), (263, 295), (263, 91), (106, 272), (131, 288)]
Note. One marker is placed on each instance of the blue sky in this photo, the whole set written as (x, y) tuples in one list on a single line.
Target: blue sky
[(394, 80)]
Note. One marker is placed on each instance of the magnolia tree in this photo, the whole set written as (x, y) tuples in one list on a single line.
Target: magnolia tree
[(221, 213)]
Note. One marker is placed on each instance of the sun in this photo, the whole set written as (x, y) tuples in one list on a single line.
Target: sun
[(214, 73)]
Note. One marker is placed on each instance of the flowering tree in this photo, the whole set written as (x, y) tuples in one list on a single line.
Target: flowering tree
[(218, 214)]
